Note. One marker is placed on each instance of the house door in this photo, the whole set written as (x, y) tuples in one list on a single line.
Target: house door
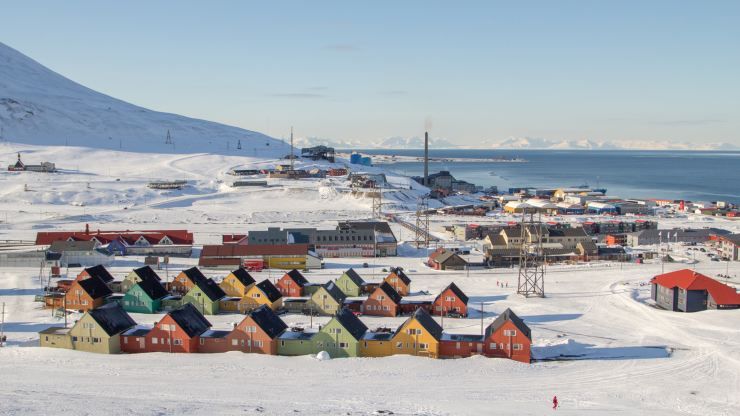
[(142, 342), (480, 348)]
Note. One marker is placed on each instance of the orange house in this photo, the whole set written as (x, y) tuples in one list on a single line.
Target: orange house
[(86, 294), (291, 284), (185, 280), (451, 300), (178, 331), (256, 333), (399, 281), (383, 301)]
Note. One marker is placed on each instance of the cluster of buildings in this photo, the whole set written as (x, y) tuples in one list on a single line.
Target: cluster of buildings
[(575, 201), (143, 291), (443, 184), (688, 291), (19, 166), (348, 239), (110, 329)]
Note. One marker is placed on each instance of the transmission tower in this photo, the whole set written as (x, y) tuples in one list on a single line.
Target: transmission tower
[(168, 140), (422, 223), (378, 202), (531, 258)]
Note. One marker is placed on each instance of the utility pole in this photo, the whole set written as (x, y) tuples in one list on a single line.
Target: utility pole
[(481, 319), (2, 326)]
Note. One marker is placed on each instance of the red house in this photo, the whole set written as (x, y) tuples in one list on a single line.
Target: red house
[(451, 300), (178, 331), (256, 333), (383, 301), (291, 284), (507, 337)]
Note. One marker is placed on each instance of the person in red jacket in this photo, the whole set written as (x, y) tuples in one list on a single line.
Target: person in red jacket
[(554, 402)]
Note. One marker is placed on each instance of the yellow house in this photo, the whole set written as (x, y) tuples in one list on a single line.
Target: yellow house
[(263, 293), (99, 330), (376, 344), (419, 335), (237, 283)]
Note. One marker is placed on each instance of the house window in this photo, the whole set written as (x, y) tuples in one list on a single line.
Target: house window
[(399, 345), (234, 342), (178, 341), (256, 295), (95, 340), (155, 341), (202, 341), (258, 343), (320, 344), (492, 346), (457, 345), (449, 298), (509, 333), (517, 347), (365, 344), (343, 345), (84, 302), (125, 340), (335, 330), (423, 346), (386, 308), (282, 343)]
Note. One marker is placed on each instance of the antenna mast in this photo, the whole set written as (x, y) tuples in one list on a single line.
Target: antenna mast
[(531, 257), (291, 148)]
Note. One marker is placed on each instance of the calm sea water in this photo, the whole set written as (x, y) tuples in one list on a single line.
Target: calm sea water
[(698, 176)]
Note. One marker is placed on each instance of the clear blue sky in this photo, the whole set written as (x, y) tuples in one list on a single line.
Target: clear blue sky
[(619, 70)]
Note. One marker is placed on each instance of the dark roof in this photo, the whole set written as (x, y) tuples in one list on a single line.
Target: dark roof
[(503, 252), (426, 320), (456, 290), (190, 320), (268, 321), (335, 292), (101, 272), (567, 232), (112, 318), (95, 287), (401, 275), (351, 323), (508, 315), (391, 292), (147, 272), (297, 277), (153, 288), (446, 255), (379, 226), (211, 289), (243, 276), (497, 239), (61, 246), (354, 277), (194, 274), (269, 290)]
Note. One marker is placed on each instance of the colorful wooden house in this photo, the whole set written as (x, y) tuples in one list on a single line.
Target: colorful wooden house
[(137, 275), (145, 296), (350, 283), (443, 259), (327, 300), (384, 301), (99, 330), (294, 342), (419, 336), (399, 281), (256, 333), (205, 296), (86, 294), (237, 283), (378, 343), (263, 293), (292, 284), (451, 301), (185, 280), (96, 271), (508, 337), (178, 331), (341, 336)]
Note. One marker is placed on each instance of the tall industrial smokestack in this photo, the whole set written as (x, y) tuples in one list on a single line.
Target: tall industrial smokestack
[(426, 158)]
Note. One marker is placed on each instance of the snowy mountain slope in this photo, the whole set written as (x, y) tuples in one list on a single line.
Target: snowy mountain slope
[(39, 106)]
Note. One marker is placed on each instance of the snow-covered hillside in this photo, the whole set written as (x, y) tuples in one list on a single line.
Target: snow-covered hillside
[(39, 106)]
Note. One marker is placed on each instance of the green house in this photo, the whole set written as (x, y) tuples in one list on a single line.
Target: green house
[(296, 343), (327, 300), (350, 283), (205, 296), (144, 297), (341, 336)]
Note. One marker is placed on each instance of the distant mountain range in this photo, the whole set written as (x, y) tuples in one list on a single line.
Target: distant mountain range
[(516, 143)]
